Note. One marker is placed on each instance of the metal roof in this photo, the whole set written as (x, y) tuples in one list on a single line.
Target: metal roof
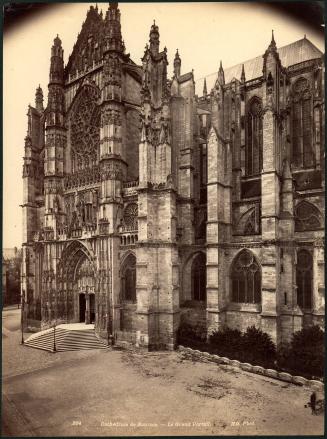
[(294, 53)]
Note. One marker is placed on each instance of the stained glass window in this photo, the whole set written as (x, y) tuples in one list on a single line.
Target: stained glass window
[(304, 279), (246, 279), (199, 278), (307, 217), (302, 126), (254, 138)]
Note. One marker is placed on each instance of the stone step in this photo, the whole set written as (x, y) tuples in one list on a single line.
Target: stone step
[(67, 339)]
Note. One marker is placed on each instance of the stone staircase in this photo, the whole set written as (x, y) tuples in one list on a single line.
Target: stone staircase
[(70, 337)]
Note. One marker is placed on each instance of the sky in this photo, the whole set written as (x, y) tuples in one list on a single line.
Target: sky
[(203, 33)]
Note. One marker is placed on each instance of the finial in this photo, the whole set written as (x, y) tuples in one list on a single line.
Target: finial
[(39, 98), (57, 41), (272, 38), (205, 87), (305, 36), (177, 64), (221, 74), (243, 74)]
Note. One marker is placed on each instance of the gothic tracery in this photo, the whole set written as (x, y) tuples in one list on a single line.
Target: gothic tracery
[(85, 130)]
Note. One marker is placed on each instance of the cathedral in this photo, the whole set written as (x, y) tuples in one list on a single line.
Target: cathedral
[(146, 205)]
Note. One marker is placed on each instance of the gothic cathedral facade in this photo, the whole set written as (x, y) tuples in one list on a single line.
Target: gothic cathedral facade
[(146, 205)]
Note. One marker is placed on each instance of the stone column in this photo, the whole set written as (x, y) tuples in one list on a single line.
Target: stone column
[(270, 212), (87, 308)]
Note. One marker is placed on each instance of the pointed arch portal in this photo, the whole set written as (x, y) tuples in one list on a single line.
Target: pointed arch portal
[(78, 276)]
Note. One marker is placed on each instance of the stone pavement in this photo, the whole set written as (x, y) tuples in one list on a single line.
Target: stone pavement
[(125, 393)]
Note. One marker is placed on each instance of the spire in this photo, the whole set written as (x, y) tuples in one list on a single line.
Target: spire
[(271, 58), (221, 74), (39, 99), (243, 74), (272, 45), (154, 38), (113, 28), (57, 61), (205, 92), (177, 65)]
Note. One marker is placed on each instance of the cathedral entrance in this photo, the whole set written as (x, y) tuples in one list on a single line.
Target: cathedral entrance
[(86, 308), (78, 273)]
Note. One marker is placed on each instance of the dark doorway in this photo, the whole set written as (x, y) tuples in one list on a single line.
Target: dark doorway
[(92, 308), (82, 307)]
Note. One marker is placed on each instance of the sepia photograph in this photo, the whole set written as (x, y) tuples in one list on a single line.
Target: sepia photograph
[(163, 219)]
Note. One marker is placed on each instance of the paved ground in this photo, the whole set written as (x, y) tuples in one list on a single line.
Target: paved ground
[(111, 393)]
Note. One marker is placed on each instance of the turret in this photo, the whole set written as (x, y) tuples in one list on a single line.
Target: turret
[(155, 137), (39, 99), (272, 75), (55, 113), (271, 58), (55, 142), (154, 39), (57, 62), (217, 118), (113, 38), (112, 164), (177, 65)]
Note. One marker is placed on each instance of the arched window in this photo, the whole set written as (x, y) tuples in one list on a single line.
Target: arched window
[(130, 217), (246, 279), (253, 154), (304, 279), (302, 125), (199, 278), (307, 217), (129, 279)]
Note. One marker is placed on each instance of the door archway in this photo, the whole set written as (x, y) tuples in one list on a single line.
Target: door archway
[(78, 278)]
